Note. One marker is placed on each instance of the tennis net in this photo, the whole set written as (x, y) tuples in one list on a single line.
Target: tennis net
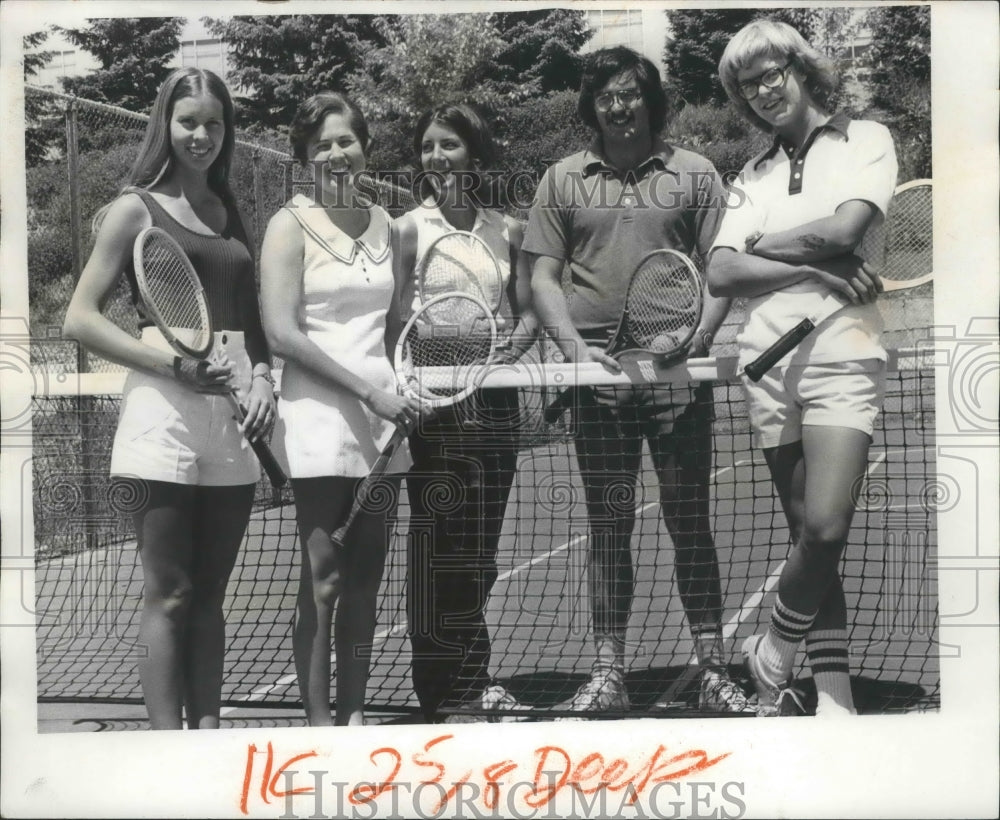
[(89, 584)]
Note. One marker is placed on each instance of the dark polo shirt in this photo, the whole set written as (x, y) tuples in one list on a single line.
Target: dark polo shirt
[(603, 222)]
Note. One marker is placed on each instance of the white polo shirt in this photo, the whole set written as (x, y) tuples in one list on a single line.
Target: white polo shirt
[(842, 160)]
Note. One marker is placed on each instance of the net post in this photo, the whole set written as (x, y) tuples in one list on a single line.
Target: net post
[(85, 403)]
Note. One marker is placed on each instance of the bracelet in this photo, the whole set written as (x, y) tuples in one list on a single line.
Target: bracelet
[(177, 368), (266, 377), (707, 337)]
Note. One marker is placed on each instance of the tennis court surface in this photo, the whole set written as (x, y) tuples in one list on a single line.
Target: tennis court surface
[(89, 582)]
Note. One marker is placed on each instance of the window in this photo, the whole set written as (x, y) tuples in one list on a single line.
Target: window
[(615, 28), (208, 54), (62, 64)]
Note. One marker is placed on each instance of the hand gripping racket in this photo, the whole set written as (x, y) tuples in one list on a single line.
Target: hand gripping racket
[(439, 359), (662, 310), (901, 247), (461, 262), (175, 300)]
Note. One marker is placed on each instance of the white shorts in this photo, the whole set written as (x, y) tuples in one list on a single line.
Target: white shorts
[(169, 432), (837, 394)]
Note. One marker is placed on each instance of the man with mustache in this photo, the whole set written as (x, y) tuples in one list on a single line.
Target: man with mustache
[(600, 211)]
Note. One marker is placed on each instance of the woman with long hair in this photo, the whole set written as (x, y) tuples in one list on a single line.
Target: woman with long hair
[(177, 439)]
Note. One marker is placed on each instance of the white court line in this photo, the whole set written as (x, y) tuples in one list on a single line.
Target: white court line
[(729, 629), (262, 691)]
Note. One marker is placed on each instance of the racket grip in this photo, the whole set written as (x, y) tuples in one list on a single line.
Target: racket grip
[(770, 357), (266, 458), (339, 535), (558, 406)]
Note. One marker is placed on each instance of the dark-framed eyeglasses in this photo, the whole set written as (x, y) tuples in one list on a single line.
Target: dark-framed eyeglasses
[(626, 98), (772, 78)]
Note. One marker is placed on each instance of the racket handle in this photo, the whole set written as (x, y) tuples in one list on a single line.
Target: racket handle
[(378, 469), (770, 357), (264, 455), (558, 406)]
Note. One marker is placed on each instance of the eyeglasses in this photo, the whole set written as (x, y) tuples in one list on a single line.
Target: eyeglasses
[(626, 98), (772, 78)]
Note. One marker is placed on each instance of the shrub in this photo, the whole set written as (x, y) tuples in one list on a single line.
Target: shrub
[(718, 133)]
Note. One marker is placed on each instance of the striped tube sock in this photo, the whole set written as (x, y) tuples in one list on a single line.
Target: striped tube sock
[(709, 646), (826, 650), (781, 642)]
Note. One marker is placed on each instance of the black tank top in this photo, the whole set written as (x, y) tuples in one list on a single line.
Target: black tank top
[(226, 269)]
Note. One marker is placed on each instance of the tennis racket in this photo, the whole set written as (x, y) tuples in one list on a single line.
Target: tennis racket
[(901, 247), (175, 300), (663, 307), (461, 262), (439, 359)]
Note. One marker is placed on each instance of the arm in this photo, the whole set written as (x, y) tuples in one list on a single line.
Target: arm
[(519, 293), (742, 274), (553, 313), (281, 294), (87, 324), (821, 239), (403, 237)]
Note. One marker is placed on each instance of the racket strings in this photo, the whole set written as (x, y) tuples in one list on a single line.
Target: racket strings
[(443, 351), (173, 292), (462, 264), (663, 306), (908, 245), (901, 245)]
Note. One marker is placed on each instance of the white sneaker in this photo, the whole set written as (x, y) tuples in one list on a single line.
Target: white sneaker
[(497, 698), (494, 698), (720, 693), (773, 699), (604, 692)]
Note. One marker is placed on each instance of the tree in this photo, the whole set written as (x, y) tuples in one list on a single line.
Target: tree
[(133, 53), (901, 82), (698, 38), (413, 72), (280, 60), (541, 47), (900, 51), (42, 127)]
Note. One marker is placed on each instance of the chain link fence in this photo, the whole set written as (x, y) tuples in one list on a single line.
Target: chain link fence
[(84, 152)]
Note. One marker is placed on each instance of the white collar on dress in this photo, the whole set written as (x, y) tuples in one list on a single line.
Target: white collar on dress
[(374, 242)]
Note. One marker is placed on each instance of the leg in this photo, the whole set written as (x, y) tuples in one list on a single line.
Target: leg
[(320, 504), (164, 533), (354, 630), (608, 449), (817, 481), (220, 521), (430, 484), (489, 460), (681, 450)]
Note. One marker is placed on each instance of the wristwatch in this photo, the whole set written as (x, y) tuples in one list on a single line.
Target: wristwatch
[(752, 240)]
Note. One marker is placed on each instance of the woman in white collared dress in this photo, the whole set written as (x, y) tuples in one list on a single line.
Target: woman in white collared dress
[(331, 311)]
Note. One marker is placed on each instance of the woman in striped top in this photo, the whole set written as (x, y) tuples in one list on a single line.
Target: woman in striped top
[(177, 440)]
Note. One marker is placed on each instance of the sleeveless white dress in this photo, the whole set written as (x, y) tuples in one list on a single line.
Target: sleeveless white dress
[(347, 286)]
